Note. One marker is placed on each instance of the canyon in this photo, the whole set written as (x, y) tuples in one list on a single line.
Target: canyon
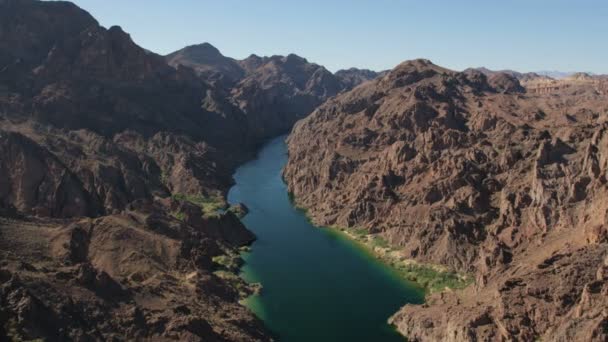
[(114, 165), (116, 162)]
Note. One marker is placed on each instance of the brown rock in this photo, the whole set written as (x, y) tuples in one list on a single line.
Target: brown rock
[(473, 173), (96, 136)]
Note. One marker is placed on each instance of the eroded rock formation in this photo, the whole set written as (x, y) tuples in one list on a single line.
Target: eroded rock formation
[(140, 274), (475, 173)]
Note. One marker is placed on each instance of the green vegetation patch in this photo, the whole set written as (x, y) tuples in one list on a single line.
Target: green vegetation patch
[(245, 290), (360, 232), (378, 241), (210, 205), (433, 278), (238, 211), (230, 262), (179, 215)]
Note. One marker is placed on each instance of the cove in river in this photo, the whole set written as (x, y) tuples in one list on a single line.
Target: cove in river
[(317, 284)]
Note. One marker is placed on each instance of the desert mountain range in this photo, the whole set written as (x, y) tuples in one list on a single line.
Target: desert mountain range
[(115, 162)]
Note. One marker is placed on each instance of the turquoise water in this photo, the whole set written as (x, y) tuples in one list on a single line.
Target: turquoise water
[(317, 285)]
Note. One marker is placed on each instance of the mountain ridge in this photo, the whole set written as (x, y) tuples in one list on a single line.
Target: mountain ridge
[(272, 92), (476, 173)]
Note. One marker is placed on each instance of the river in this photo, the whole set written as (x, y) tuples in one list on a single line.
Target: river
[(317, 284)]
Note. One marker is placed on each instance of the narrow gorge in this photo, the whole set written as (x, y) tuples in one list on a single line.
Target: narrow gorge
[(191, 196), (317, 285)]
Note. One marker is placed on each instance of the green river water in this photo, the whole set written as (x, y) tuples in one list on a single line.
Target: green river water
[(318, 285)]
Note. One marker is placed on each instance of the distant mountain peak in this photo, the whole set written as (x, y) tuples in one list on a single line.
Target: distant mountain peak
[(352, 77), (207, 60), (201, 51), (292, 58)]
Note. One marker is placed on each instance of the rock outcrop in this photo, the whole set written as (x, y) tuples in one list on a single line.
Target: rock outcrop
[(135, 275), (475, 173)]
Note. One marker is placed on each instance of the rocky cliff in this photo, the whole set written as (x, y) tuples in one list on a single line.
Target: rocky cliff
[(113, 168), (472, 172)]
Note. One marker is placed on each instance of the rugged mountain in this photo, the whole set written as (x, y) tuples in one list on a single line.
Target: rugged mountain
[(352, 77), (78, 75), (474, 173), (251, 63), (76, 89), (139, 274), (521, 76), (209, 63), (272, 93), (113, 167), (555, 74), (543, 83), (281, 91), (579, 81)]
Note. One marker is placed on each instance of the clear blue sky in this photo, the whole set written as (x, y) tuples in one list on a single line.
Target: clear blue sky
[(525, 35)]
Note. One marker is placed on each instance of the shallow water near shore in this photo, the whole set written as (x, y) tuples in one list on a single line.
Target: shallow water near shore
[(317, 284)]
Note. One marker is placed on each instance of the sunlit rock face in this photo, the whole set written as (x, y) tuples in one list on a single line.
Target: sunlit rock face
[(477, 173)]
